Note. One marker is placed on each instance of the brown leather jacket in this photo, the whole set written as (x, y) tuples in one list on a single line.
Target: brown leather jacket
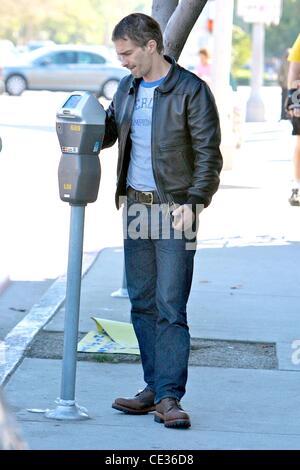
[(186, 158)]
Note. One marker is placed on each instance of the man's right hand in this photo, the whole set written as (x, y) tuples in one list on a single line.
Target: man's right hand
[(296, 112)]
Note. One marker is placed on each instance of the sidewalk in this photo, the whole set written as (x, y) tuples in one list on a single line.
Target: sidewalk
[(245, 293)]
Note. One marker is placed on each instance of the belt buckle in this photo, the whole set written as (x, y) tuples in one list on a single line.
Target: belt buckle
[(148, 193)]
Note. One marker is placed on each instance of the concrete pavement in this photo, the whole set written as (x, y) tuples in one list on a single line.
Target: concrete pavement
[(245, 288)]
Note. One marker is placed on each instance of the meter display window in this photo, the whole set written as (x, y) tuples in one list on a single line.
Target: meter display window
[(72, 101)]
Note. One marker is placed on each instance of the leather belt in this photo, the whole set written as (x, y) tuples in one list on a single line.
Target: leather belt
[(144, 197)]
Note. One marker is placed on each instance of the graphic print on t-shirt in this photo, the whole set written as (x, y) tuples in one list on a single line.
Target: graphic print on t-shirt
[(140, 173)]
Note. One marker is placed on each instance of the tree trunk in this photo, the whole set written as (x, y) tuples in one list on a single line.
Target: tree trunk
[(163, 10), (180, 24)]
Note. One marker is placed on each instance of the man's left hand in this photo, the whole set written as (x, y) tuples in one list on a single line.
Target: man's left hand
[(183, 217)]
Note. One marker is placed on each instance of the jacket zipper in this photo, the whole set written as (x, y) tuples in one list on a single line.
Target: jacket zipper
[(125, 134), (160, 192)]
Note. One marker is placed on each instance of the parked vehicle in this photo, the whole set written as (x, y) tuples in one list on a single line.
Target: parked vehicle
[(2, 86), (65, 68), (8, 52)]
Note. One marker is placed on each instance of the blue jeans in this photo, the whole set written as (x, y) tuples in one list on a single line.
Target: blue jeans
[(159, 276)]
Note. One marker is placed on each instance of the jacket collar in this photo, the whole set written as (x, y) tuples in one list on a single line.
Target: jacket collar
[(169, 82)]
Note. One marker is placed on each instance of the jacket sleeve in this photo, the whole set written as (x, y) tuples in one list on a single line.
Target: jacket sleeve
[(205, 134), (111, 132)]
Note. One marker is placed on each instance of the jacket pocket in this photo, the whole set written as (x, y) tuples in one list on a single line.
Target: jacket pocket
[(174, 170), (181, 145)]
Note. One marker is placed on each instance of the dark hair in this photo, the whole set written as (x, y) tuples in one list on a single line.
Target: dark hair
[(205, 52), (140, 28)]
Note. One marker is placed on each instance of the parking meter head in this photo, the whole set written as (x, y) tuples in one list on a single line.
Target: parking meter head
[(80, 127)]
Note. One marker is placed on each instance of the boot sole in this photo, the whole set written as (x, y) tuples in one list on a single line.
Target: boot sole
[(175, 423), (130, 411)]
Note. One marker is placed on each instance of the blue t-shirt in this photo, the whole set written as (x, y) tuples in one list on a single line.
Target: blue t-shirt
[(140, 172)]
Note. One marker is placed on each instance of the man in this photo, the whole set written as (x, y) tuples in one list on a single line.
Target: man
[(203, 69), (293, 109), (167, 125)]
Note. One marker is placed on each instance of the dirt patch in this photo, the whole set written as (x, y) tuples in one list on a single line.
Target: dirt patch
[(204, 352)]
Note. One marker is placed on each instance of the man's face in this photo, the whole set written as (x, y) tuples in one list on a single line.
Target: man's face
[(135, 58)]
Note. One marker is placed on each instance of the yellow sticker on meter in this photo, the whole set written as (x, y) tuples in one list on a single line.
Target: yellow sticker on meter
[(67, 186), (75, 127)]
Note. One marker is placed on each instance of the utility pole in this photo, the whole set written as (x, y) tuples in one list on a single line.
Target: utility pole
[(221, 65), (259, 13), (255, 106)]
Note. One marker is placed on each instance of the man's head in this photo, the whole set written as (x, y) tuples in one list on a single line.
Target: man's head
[(204, 55), (138, 40)]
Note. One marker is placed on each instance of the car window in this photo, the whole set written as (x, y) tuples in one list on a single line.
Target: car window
[(89, 58), (46, 58), (62, 58)]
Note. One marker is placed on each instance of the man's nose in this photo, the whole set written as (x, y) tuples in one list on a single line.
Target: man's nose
[(123, 61)]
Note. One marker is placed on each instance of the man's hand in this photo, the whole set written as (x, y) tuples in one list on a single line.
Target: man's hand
[(296, 112), (183, 217)]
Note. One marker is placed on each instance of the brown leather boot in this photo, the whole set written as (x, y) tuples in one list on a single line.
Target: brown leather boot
[(169, 412), (140, 404)]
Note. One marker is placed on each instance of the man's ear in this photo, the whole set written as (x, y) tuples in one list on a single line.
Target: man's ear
[(151, 45)]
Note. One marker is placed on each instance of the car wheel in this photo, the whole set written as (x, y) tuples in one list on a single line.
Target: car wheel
[(109, 88), (15, 85)]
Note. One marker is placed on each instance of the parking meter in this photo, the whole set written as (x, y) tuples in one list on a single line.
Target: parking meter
[(80, 127)]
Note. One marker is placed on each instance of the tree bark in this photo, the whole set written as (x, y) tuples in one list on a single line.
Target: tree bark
[(180, 25), (163, 10)]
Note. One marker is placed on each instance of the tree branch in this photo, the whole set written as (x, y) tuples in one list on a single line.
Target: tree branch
[(162, 11), (180, 25)]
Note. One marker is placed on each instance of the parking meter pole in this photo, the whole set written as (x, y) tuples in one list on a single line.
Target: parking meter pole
[(67, 408), (124, 282), (72, 302), (80, 127)]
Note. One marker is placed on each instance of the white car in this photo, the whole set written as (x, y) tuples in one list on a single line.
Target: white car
[(65, 68)]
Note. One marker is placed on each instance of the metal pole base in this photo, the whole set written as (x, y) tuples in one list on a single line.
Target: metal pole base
[(255, 111), (67, 410), (120, 293)]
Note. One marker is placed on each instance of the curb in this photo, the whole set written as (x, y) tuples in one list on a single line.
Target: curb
[(19, 338)]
